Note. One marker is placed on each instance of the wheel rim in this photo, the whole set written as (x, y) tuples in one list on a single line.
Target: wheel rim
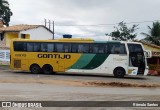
[(35, 69), (47, 69), (119, 72)]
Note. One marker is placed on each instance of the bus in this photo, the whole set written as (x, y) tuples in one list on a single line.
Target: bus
[(79, 55)]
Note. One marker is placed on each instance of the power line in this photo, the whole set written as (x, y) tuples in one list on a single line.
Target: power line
[(140, 22), (93, 25)]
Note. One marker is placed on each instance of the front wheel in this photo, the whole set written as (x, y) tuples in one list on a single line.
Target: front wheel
[(119, 72), (35, 69)]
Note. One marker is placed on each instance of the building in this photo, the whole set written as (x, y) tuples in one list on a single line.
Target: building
[(35, 32), (154, 62)]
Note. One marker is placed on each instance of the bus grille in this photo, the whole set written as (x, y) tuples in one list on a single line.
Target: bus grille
[(17, 63)]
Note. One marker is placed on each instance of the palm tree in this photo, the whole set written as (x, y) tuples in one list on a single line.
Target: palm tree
[(5, 12), (154, 33)]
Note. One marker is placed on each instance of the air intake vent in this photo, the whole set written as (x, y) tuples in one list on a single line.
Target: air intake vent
[(17, 63)]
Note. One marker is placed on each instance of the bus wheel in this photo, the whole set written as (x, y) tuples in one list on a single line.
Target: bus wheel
[(47, 69), (119, 72), (35, 69)]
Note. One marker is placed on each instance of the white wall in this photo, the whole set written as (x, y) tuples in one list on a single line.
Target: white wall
[(39, 33)]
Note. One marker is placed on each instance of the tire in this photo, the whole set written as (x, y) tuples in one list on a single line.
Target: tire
[(119, 72), (35, 69), (47, 69)]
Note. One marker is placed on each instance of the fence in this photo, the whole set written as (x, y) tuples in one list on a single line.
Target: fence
[(4, 57)]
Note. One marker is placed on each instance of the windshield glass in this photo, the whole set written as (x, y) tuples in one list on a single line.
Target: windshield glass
[(135, 48)]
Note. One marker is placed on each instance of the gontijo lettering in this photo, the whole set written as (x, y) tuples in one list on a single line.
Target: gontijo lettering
[(59, 56)]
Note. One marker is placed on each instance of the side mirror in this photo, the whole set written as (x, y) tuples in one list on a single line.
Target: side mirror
[(148, 53)]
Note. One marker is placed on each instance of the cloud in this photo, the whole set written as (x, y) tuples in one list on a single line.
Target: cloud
[(85, 12)]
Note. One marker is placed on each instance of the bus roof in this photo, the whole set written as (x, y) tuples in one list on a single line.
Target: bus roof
[(85, 40)]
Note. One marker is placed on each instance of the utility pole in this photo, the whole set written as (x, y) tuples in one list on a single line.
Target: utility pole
[(49, 25), (45, 22), (53, 29)]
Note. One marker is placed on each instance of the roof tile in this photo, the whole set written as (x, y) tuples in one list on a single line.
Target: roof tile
[(19, 27)]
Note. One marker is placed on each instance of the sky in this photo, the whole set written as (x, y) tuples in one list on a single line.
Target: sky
[(82, 18)]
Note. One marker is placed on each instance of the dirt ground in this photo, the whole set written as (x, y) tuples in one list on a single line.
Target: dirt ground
[(24, 86), (10, 76)]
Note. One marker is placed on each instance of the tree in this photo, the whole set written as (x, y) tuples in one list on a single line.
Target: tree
[(123, 33), (154, 33), (5, 12)]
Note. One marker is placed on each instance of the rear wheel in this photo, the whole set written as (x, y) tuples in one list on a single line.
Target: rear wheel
[(35, 69), (119, 72), (47, 69)]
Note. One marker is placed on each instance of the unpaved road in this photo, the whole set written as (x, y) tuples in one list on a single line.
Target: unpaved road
[(24, 86)]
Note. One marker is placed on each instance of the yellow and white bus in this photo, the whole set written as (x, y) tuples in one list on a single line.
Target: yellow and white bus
[(78, 55)]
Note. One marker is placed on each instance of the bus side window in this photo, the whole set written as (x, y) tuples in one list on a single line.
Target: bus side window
[(59, 47), (95, 48), (98, 48), (74, 48), (122, 49), (30, 47), (80, 48), (101, 48), (86, 48), (50, 47), (19, 46), (117, 49), (37, 47), (67, 47), (106, 48), (44, 47), (114, 48), (83, 48)]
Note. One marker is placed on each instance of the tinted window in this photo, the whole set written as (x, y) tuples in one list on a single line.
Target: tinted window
[(66, 47), (36, 47), (30, 47), (116, 49), (50, 47), (47, 47), (83, 48), (33, 47), (44, 47), (98, 48), (135, 48), (19, 46), (122, 49), (59, 47), (74, 48)]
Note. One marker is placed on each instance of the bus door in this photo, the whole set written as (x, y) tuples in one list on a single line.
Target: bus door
[(136, 59), (133, 69), (141, 63), (136, 63)]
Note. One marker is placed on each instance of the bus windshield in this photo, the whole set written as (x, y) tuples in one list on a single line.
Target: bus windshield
[(135, 48)]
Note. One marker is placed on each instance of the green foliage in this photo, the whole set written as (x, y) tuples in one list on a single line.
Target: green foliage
[(5, 12), (123, 33), (154, 33)]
